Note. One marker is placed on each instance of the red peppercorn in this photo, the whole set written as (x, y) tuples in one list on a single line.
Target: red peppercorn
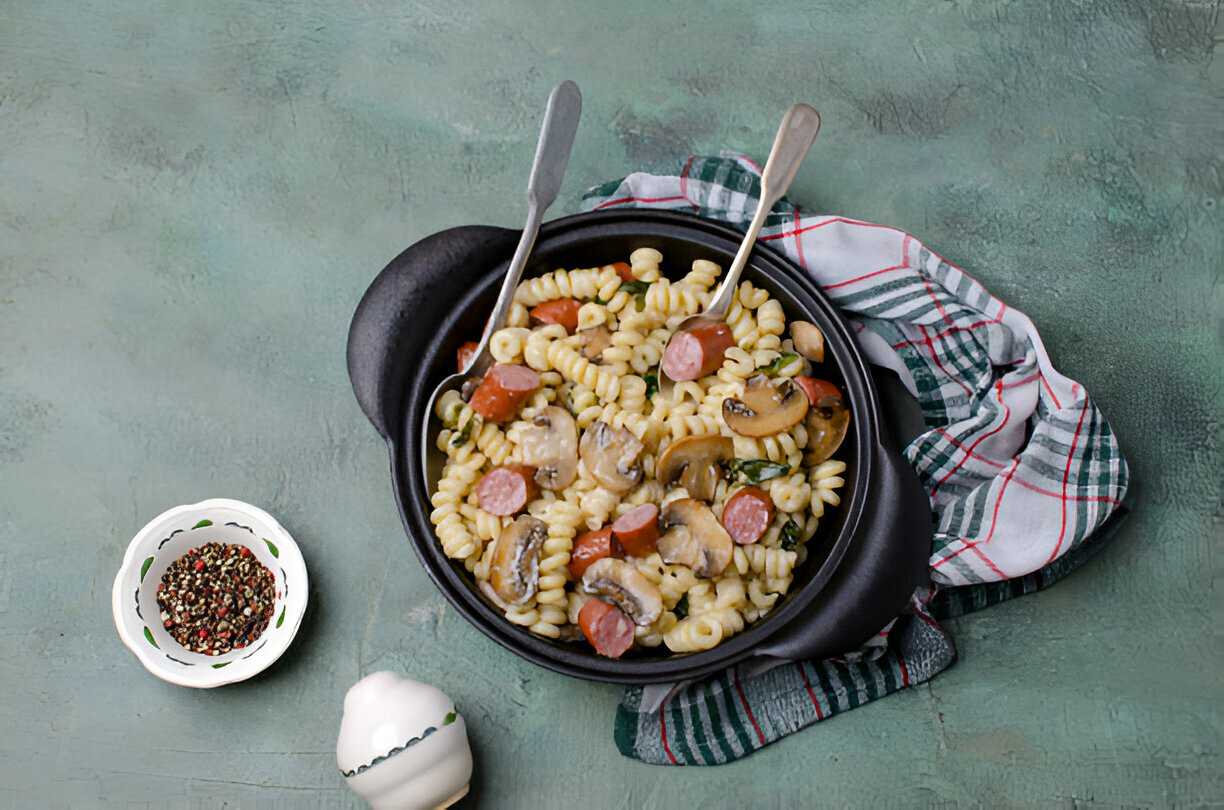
[(221, 611), (199, 565), (202, 633)]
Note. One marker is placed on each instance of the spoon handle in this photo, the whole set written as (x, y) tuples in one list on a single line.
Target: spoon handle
[(795, 137), (547, 170)]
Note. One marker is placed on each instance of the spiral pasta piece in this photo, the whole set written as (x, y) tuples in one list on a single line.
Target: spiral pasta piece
[(458, 479), (772, 563), (562, 518), (703, 275), (583, 284), (493, 444), (506, 344), (743, 325), (644, 264)]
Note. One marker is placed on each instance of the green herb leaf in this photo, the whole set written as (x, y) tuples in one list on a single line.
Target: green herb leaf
[(461, 438), (450, 718), (753, 470), (202, 524), (222, 664), (775, 368), (652, 383), (275, 551), (281, 620), (790, 536), (144, 568), (637, 289), (682, 608)]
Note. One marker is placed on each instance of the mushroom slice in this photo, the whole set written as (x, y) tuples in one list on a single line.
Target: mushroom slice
[(515, 571), (695, 538), (768, 408), (621, 584), (694, 462), (550, 445), (827, 422), (808, 340), (612, 455), (594, 340)]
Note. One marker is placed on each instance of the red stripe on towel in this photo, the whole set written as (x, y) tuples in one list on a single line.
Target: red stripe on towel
[(748, 709), (808, 686), (1066, 476), (663, 732)]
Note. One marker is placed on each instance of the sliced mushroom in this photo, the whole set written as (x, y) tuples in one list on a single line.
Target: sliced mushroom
[(594, 341), (695, 538), (550, 445), (515, 571), (612, 455), (768, 408), (827, 423), (621, 584), (808, 340), (694, 462)]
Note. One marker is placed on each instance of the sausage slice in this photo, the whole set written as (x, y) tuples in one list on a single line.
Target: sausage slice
[(507, 490), (561, 310), (748, 514), (592, 546), (607, 628), (503, 391), (638, 529), (692, 354)]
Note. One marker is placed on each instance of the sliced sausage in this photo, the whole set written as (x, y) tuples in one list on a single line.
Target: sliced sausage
[(816, 389), (466, 352), (638, 529), (562, 310), (692, 354), (607, 627), (623, 270), (503, 391), (507, 490), (592, 546), (748, 514)]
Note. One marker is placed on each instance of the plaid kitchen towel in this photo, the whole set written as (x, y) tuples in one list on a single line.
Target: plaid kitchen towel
[(1025, 477)]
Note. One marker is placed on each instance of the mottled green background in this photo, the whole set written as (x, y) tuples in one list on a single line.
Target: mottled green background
[(193, 197)]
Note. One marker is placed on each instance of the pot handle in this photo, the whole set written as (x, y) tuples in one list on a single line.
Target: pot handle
[(875, 581), (404, 306)]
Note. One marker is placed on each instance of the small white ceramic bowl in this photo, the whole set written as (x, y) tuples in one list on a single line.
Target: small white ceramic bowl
[(169, 536)]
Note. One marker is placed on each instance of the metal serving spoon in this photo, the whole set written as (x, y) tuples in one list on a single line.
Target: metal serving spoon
[(551, 157), (795, 137)]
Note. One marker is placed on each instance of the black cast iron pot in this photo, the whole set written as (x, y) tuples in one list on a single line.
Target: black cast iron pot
[(868, 554)]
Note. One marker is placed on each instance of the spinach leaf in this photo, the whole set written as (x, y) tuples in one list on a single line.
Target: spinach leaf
[(637, 289), (790, 536), (652, 383), (461, 438), (753, 470), (681, 609), (775, 368)]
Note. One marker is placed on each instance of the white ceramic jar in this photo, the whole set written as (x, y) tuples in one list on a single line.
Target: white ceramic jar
[(402, 744)]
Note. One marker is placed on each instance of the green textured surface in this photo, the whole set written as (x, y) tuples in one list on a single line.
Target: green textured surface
[(193, 198)]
